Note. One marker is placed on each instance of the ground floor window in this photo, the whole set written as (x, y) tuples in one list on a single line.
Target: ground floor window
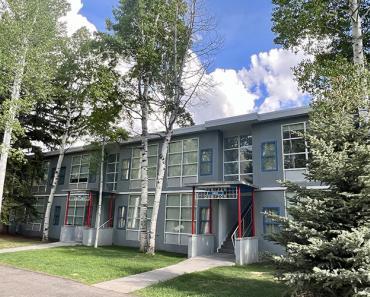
[(133, 216), (121, 218), (270, 226), (178, 218), (36, 216), (77, 209), (56, 217), (205, 220)]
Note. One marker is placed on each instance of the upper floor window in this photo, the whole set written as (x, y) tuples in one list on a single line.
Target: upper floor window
[(80, 170), (295, 151), (206, 157), (41, 181), (62, 175), (112, 172), (152, 162), (269, 156), (183, 158), (238, 164), (125, 169)]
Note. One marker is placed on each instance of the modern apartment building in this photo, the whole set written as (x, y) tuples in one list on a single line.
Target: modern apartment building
[(221, 177)]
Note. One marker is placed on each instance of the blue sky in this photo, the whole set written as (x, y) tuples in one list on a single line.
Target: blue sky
[(245, 26), (250, 72)]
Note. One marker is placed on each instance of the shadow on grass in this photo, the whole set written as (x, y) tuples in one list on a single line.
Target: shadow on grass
[(224, 281)]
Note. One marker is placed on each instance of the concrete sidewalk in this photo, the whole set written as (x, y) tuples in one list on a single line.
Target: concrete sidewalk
[(40, 246), (139, 281)]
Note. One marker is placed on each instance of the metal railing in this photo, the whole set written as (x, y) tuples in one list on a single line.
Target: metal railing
[(246, 225), (104, 225)]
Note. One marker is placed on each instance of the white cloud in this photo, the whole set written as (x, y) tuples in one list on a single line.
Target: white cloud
[(74, 20), (267, 85)]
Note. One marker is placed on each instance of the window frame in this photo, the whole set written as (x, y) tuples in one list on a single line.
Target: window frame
[(121, 217), (123, 178), (265, 222), (42, 184), (114, 173), (56, 216), (205, 162), (73, 205), (180, 207), (182, 164), (276, 167), (80, 164), (139, 205), (60, 181), (239, 175), (306, 152), (139, 158), (208, 220)]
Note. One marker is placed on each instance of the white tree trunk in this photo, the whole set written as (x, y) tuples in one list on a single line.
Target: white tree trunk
[(158, 191), (45, 230), (101, 181), (12, 115), (144, 177), (357, 38)]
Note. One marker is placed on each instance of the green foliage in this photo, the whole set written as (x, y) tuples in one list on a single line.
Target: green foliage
[(327, 234)]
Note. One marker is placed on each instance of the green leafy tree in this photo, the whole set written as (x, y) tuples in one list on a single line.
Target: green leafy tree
[(85, 85), (29, 36)]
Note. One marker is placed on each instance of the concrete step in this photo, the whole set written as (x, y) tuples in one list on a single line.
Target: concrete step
[(226, 250)]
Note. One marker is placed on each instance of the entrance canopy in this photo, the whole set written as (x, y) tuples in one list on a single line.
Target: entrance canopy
[(221, 190)]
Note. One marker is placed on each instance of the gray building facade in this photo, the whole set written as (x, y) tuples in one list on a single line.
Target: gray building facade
[(221, 177)]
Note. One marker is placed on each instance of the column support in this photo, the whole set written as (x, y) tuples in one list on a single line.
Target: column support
[(253, 222), (210, 216), (239, 213), (67, 207), (193, 212), (89, 210)]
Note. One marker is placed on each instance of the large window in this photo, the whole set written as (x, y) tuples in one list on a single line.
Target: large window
[(295, 151), (152, 162), (80, 170), (205, 220), (178, 218), (36, 218), (270, 226), (112, 172), (133, 216), (238, 163), (206, 157), (183, 158), (77, 209), (269, 156), (41, 181)]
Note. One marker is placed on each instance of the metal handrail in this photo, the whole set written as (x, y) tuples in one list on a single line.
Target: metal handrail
[(245, 230), (101, 227)]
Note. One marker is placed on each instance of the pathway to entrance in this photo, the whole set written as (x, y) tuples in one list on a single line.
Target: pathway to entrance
[(40, 246), (139, 281), (22, 283)]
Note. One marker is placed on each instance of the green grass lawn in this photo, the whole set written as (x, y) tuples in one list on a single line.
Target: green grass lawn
[(244, 281), (9, 241), (89, 265)]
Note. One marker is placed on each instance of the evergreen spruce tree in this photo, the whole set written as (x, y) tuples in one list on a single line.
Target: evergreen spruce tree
[(327, 232)]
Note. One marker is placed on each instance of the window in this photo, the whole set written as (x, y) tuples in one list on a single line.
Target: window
[(270, 226), (178, 218), (152, 162), (62, 175), (112, 172), (133, 217), (205, 220), (183, 158), (295, 151), (35, 220), (41, 181), (56, 217), (121, 218), (125, 169), (77, 209), (238, 164), (206, 157), (269, 156), (80, 170)]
